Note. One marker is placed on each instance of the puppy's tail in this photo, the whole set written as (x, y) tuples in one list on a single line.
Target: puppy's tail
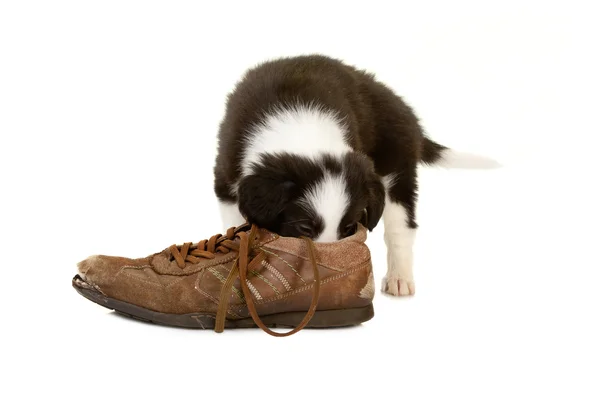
[(435, 154)]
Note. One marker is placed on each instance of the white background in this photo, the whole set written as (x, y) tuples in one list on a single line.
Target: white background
[(108, 119)]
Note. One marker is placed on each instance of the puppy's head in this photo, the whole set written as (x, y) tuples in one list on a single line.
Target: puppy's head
[(323, 198)]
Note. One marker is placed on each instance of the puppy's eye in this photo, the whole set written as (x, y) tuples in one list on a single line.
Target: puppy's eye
[(305, 229), (349, 230)]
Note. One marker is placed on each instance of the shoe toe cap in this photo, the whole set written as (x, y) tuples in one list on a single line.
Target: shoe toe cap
[(101, 270)]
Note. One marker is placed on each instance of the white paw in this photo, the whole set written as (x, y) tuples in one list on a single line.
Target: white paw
[(398, 286)]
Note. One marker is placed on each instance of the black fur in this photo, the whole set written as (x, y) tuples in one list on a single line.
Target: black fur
[(381, 129)]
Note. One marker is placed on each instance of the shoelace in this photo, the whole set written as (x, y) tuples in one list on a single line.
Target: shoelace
[(224, 244), (206, 248)]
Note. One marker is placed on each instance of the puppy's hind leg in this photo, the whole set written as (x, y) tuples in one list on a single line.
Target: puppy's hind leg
[(399, 233)]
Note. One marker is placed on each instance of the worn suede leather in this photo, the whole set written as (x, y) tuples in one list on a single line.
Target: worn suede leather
[(280, 280)]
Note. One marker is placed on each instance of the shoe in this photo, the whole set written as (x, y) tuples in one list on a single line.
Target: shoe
[(246, 278)]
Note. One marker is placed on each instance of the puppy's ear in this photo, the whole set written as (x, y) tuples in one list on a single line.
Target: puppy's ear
[(375, 202), (261, 199)]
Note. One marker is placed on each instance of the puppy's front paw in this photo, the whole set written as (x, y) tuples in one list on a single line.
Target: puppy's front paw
[(398, 286)]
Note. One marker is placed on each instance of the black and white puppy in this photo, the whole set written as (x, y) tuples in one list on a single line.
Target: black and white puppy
[(310, 146)]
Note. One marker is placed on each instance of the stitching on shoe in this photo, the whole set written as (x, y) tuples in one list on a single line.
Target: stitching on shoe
[(209, 296), (254, 291), (309, 286), (200, 268), (284, 261), (288, 251), (223, 267), (277, 274), (217, 302), (171, 283), (124, 271), (222, 279), (273, 237), (264, 279), (134, 267), (168, 285), (243, 299)]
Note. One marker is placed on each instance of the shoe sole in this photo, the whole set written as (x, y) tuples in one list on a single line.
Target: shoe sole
[(321, 319)]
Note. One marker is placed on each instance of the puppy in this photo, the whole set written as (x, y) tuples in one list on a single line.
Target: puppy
[(310, 146)]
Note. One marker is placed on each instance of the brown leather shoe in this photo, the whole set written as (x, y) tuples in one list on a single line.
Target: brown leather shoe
[(245, 278)]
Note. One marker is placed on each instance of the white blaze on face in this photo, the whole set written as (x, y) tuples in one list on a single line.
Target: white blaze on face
[(329, 199)]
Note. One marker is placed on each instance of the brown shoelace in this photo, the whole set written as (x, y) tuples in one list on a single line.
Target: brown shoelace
[(224, 244)]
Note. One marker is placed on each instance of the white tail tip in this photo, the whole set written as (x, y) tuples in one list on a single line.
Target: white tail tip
[(465, 160)]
